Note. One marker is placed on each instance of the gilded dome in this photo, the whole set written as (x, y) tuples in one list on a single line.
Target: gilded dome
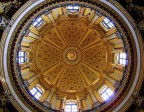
[(72, 50), (71, 54)]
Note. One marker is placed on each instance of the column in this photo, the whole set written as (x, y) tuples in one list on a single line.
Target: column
[(46, 19), (110, 85), (98, 97), (29, 75), (58, 104), (30, 80), (84, 104), (50, 96), (89, 101), (54, 102), (88, 105), (92, 96), (34, 30), (44, 96), (33, 84), (111, 31), (99, 20), (25, 71)]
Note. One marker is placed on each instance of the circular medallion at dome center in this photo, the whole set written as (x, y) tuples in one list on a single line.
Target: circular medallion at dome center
[(71, 55)]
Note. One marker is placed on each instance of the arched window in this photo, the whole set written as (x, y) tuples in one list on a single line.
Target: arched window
[(122, 58), (73, 8), (106, 93), (108, 23), (38, 21), (36, 92), (22, 57), (71, 107)]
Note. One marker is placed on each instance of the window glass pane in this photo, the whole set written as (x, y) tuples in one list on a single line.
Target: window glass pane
[(32, 92), (106, 20), (103, 89), (121, 58), (107, 90), (37, 97), (39, 19), (108, 23), (121, 55), (21, 60), (71, 107), (121, 61), (22, 53), (35, 91), (39, 23), (110, 93), (38, 94), (105, 98), (19, 53), (124, 55), (73, 8), (74, 106), (104, 94), (74, 110), (70, 7), (21, 57), (67, 109), (68, 106), (35, 23), (124, 62), (76, 7)]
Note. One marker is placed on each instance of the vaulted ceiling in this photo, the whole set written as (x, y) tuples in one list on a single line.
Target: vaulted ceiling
[(73, 54)]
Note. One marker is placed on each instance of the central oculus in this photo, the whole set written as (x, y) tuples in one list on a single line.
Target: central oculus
[(71, 55)]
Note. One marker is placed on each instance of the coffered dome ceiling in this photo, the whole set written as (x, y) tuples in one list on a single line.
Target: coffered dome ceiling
[(71, 55), (72, 52)]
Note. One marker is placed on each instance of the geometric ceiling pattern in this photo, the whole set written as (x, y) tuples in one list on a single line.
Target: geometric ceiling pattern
[(71, 55)]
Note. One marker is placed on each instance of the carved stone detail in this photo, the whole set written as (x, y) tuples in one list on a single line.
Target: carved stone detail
[(3, 99), (7, 6), (3, 22), (141, 25)]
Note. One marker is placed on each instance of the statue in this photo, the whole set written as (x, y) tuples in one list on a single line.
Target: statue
[(3, 22), (4, 8)]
